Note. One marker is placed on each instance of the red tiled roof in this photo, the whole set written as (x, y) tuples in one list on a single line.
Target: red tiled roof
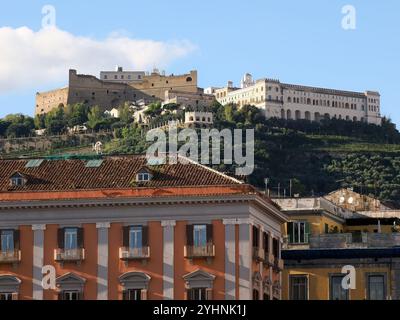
[(115, 172)]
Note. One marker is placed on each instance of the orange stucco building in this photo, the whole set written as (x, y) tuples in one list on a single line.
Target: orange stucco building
[(116, 228)]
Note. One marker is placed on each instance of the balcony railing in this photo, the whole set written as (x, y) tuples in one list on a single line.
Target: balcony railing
[(11, 256), (126, 253), (355, 240), (278, 264), (258, 254), (69, 254), (207, 251)]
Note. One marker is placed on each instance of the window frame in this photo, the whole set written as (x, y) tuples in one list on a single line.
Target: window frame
[(296, 228), (368, 287), (143, 177), (67, 233), (9, 233), (200, 240), (307, 286), (138, 231), (334, 276), (70, 293)]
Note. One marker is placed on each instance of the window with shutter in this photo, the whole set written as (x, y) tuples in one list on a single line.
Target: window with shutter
[(189, 235), (307, 232), (125, 236), (17, 245), (7, 240), (290, 231), (200, 235), (145, 236), (266, 242), (60, 238), (210, 234), (256, 236), (80, 237)]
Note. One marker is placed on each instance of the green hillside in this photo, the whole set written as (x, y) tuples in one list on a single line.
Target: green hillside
[(317, 157)]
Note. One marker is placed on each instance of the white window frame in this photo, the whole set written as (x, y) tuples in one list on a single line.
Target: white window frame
[(68, 234), (143, 176), (199, 235), (135, 237), (7, 237)]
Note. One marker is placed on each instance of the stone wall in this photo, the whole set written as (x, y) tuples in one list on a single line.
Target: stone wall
[(45, 144), (107, 95)]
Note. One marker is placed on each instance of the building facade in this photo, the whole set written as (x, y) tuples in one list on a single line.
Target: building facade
[(121, 76), (116, 228), (288, 101), (109, 94), (326, 240)]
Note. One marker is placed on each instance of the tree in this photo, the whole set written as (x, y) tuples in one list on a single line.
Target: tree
[(55, 121), (153, 110), (76, 114), (94, 117)]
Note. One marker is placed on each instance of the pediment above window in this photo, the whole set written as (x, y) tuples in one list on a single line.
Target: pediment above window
[(134, 280), (70, 281), (9, 283), (199, 279)]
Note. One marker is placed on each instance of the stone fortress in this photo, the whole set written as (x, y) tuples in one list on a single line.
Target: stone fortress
[(276, 99), (115, 88), (289, 101)]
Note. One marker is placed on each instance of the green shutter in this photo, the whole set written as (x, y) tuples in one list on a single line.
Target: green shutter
[(307, 232), (290, 231)]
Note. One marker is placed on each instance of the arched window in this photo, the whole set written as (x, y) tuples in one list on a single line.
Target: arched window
[(289, 115), (307, 115), (308, 101), (199, 285), (135, 285), (298, 115), (282, 114), (189, 79), (70, 286), (289, 99), (9, 287)]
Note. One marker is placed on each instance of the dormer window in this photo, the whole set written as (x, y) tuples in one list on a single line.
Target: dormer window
[(17, 180), (143, 177)]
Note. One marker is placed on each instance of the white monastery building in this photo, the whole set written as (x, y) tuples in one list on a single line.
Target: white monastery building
[(289, 101)]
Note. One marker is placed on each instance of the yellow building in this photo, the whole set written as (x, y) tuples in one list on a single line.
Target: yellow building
[(324, 240)]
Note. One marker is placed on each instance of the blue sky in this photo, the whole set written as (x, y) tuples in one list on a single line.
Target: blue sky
[(295, 41)]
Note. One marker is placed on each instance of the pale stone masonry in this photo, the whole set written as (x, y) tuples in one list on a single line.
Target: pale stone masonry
[(289, 101)]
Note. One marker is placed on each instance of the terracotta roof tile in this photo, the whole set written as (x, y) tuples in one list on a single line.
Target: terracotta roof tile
[(115, 172)]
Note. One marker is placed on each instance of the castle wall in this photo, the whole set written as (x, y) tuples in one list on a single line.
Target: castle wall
[(156, 84), (107, 95), (47, 101)]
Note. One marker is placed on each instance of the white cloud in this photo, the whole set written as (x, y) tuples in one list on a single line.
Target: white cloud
[(30, 59)]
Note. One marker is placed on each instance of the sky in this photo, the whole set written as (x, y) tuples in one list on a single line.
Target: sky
[(300, 42)]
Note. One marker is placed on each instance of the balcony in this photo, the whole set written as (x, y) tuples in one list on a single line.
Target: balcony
[(126, 253), (207, 251), (12, 256), (354, 240), (258, 254), (278, 264), (69, 255)]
